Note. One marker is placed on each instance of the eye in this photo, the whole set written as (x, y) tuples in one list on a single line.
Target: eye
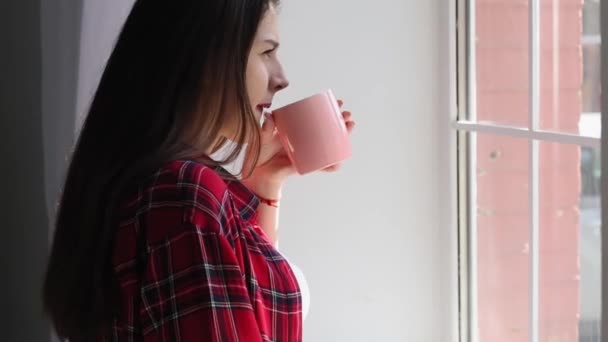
[(269, 52)]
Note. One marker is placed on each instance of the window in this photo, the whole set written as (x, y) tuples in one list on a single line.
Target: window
[(529, 134)]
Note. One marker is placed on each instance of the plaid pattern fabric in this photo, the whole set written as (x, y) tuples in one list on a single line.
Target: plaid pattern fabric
[(193, 265)]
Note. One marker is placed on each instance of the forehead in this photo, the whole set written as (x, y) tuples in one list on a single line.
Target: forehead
[(269, 26)]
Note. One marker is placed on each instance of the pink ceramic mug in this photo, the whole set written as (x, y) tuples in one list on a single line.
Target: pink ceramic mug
[(313, 132)]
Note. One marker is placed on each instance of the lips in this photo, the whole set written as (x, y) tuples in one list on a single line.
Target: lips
[(263, 106)]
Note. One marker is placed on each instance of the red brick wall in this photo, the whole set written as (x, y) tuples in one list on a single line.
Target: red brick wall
[(503, 213)]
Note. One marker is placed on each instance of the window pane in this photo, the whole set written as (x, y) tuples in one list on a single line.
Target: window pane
[(570, 243), (570, 66), (502, 239), (501, 62)]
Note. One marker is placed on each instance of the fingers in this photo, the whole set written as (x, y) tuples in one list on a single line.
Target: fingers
[(350, 125), (332, 168), (268, 123), (268, 128), (347, 115)]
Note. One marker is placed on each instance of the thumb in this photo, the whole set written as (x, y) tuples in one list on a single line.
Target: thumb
[(268, 128)]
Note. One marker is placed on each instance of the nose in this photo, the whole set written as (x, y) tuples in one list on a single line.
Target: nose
[(282, 84), (280, 80)]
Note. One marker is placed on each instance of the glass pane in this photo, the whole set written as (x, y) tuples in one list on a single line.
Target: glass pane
[(570, 243), (501, 62), (570, 66), (502, 239)]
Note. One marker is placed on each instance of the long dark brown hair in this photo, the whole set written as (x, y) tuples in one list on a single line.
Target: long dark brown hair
[(175, 79)]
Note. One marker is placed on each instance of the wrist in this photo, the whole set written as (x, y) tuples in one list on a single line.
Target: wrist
[(267, 189), (269, 201)]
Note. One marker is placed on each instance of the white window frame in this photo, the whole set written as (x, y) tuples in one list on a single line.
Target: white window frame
[(590, 119), (604, 186), (455, 150), (448, 312)]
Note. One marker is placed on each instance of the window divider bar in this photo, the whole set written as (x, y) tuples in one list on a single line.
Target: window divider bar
[(604, 157), (471, 109), (464, 195), (533, 191), (525, 133), (534, 199)]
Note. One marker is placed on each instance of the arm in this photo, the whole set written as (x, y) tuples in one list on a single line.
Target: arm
[(268, 216), (193, 290)]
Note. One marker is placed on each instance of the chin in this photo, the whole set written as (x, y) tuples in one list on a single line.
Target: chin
[(258, 116)]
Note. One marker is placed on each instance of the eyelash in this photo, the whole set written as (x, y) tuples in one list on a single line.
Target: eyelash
[(268, 52)]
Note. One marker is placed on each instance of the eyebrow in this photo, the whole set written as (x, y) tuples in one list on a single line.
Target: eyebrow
[(272, 42)]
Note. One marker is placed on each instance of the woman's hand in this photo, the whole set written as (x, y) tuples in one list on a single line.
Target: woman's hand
[(274, 166)]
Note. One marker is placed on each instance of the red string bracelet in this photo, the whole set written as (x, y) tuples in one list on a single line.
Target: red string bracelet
[(270, 202)]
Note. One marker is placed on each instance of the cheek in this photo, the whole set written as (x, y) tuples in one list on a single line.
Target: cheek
[(257, 80)]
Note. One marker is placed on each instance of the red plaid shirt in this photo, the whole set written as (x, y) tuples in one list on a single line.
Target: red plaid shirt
[(193, 265)]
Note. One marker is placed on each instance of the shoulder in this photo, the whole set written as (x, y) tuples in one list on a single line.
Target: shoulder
[(188, 174), (183, 193)]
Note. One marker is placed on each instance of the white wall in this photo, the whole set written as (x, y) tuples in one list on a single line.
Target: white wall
[(368, 237)]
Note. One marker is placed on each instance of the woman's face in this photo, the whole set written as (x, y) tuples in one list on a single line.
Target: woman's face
[(265, 76)]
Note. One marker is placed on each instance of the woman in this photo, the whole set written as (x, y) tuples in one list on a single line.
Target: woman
[(154, 240)]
